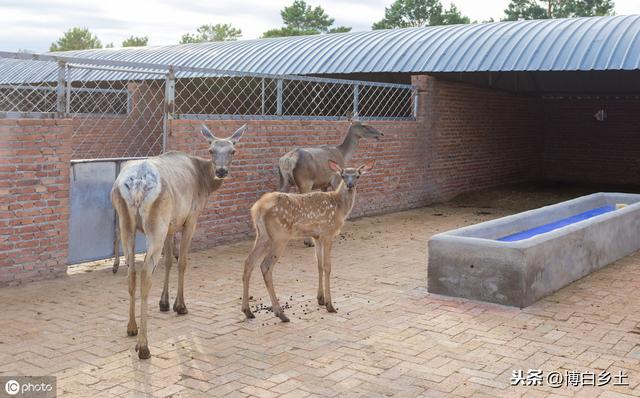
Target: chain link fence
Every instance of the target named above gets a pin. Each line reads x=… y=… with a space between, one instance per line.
x=122 y=109
x=114 y=113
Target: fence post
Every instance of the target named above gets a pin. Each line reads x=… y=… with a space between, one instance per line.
x=169 y=105
x=262 y=99
x=279 y=97
x=68 y=90
x=356 y=99
x=60 y=91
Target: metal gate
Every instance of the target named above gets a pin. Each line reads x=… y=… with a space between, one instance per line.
x=116 y=117
x=92 y=219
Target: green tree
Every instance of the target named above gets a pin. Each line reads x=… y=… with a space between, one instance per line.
x=339 y=29
x=453 y=16
x=217 y=32
x=583 y=8
x=76 y=39
x=135 y=41
x=284 y=32
x=524 y=9
x=542 y=9
x=301 y=19
x=415 y=13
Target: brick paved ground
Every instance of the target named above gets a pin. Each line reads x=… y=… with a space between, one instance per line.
x=388 y=338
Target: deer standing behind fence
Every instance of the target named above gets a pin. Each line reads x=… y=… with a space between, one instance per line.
x=279 y=217
x=159 y=196
x=307 y=168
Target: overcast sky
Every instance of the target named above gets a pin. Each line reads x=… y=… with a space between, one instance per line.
x=34 y=24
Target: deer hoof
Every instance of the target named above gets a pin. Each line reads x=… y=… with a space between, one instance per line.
x=164 y=306
x=181 y=309
x=248 y=314
x=330 y=308
x=132 y=330
x=320 y=300
x=143 y=352
x=115 y=268
x=283 y=317
x=308 y=243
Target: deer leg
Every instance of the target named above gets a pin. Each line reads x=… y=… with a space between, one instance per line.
x=132 y=327
x=145 y=285
x=187 y=234
x=304 y=187
x=320 y=259
x=175 y=247
x=116 y=247
x=326 y=246
x=257 y=254
x=267 y=272
x=283 y=185
x=127 y=230
x=168 y=258
x=156 y=236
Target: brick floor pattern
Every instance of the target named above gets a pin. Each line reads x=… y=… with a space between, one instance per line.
x=389 y=337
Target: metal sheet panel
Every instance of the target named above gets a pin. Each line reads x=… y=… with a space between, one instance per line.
x=593 y=43
x=575 y=44
x=92 y=217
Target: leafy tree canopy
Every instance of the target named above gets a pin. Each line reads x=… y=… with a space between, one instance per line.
x=76 y=39
x=217 y=32
x=301 y=19
x=542 y=9
x=135 y=41
x=415 y=13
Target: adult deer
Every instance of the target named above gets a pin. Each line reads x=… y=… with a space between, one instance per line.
x=307 y=168
x=279 y=217
x=159 y=196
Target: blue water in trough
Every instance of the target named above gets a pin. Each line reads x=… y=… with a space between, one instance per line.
x=557 y=224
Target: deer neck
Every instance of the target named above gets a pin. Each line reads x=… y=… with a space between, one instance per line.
x=349 y=145
x=208 y=181
x=345 y=198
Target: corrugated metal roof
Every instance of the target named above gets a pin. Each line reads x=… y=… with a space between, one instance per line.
x=594 y=43
x=578 y=44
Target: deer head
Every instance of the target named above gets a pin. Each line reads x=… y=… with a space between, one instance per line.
x=222 y=150
x=350 y=175
x=362 y=130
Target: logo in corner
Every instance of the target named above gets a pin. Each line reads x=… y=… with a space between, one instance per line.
x=12 y=387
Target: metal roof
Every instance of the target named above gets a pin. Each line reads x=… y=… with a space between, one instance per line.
x=592 y=43
x=577 y=44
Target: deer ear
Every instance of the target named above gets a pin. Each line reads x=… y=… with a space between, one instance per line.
x=365 y=168
x=236 y=136
x=335 y=166
x=207 y=134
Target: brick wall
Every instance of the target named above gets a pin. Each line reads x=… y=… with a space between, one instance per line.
x=466 y=138
x=479 y=137
x=398 y=181
x=34 y=191
x=471 y=138
x=579 y=148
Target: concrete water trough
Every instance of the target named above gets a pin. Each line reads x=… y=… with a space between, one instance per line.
x=519 y=259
